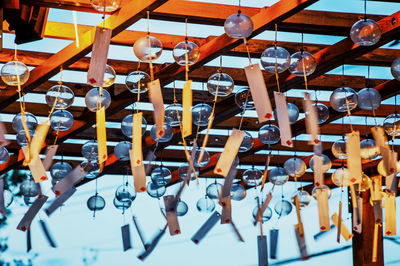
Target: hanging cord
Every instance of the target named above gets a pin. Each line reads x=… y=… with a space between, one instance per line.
x=276 y=57
x=186 y=51
x=139 y=88
x=347 y=103
x=149 y=43
x=244 y=110
x=302 y=61
x=365 y=9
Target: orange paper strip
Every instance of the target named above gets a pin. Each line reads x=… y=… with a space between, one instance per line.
x=137 y=154
x=39 y=138
x=101 y=135
x=187 y=109
x=158 y=104
x=36 y=166
x=318 y=173
x=343 y=229
x=231 y=149
x=139 y=175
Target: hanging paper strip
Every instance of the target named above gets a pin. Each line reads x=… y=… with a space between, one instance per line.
x=265 y=174
x=353 y=195
x=137 y=154
x=301 y=242
x=158 y=104
x=339 y=227
x=283 y=119
x=98 y=60
x=150 y=156
x=31 y=213
x=152 y=245
x=35 y=165
x=172 y=217
x=318 y=173
x=190 y=158
x=3 y=132
x=376 y=188
x=39 y=138
x=205 y=140
x=226 y=214
x=126 y=237
x=48 y=159
x=353 y=156
x=26 y=129
x=227 y=187
x=101 y=135
x=379 y=136
x=237 y=233
x=300 y=224
x=28 y=240
x=231 y=149
x=65 y=184
x=139 y=175
x=343 y=229
x=187 y=100
x=311 y=120
x=47 y=234
x=273 y=243
x=59 y=201
x=389 y=158
x=323 y=209
x=263 y=208
x=206 y=227
x=390 y=214
x=357 y=216
x=262 y=250
x=377 y=206
x=140 y=233
x=375 y=243
x=2 y=206
x=259 y=92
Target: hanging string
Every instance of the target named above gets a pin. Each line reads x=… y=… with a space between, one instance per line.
x=186 y=51
x=244 y=110
x=139 y=87
x=365 y=9
x=276 y=57
x=302 y=61
x=58 y=94
x=149 y=43
x=239 y=11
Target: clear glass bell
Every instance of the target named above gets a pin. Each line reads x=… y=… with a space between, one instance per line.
x=221 y=84
x=321 y=188
x=121 y=150
x=181 y=208
x=238 y=192
x=244 y=100
x=341 y=177
x=322 y=112
x=238 y=26
x=366 y=183
x=213 y=190
x=31 y=122
x=293 y=113
x=326 y=163
x=4 y=155
x=109 y=76
x=96 y=203
x=127 y=125
x=369 y=99
x=59 y=170
x=29 y=188
x=275 y=56
x=61 y=120
x=365 y=32
x=303 y=197
x=174 y=114
x=122 y=205
x=391 y=124
x=183 y=171
x=167 y=130
x=136 y=81
x=278 y=176
x=369 y=149
x=60 y=96
x=247 y=142
x=94 y=101
x=338 y=99
x=22 y=139
x=186 y=50
x=339 y=149
x=204 y=160
x=147 y=48
x=105 y=5
x=125 y=193
x=283 y=207
x=252 y=176
x=395 y=68
x=155 y=191
x=302 y=62
x=161 y=176
x=205 y=205
x=91 y=168
x=89 y=150
x=201 y=114
x=269 y=134
x=266 y=216
x=295 y=167
x=14 y=72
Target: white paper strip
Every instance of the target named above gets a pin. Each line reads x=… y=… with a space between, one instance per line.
x=323 y=209
x=259 y=92
x=273 y=243
x=231 y=149
x=158 y=104
x=353 y=151
x=57 y=202
x=172 y=217
x=311 y=120
x=26 y=221
x=357 y=216
x=74 y=177
x=377 y=205
x=379 y=136
x=3 y=132
x=48 y=159
x=206 y=227
x=283 y=119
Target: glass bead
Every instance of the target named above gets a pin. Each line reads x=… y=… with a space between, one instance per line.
x=365 y=32
x=244 y=100
x=395 y=68
x=161 y=176
x=341 y=177
x=252 y=176
x=369 y=99
x=201 y=114
x=183 y=170
x=221 y=84
x=21 y=137
x=167 y=130
x=121 y=150
x=181 y=208
x=339 y=149
x=89 y=150
x=59 y=96
x=127 y=126
x=30 y=119
x=266 y=216
x=8 y=197
x=14 y=72
x=238 y=192
x=322 y=112
x=4 y=155
x=155 y=191
x=275 y=56
x=204 y=160
x=247 y=142
x=338 y=99
x=283 y=207
x=93 y=97
x=238 y=26
x=29 y=188
x=59 y=170
x=186 y=50
x=105 y=5
x=303 y=197
x=91 y=168
x=278 y=176
x=301 y=62
x=269 y=134
x=96 y=203
x=391 y=124
x=125 y=193
x=295 y=167
x=136 y=81
x=147 y=48
x=205 y=205
x=369 y=149
x=122 y=205
x=61 y=120
x=326 y=163
x=174 y=114
x=321 y=188
x=213 y=190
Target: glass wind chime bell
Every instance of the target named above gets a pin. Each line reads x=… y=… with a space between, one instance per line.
x=104 y=6
x=275 y=56
x=97 y=98
x=148 y=48
x=14 y=72
x=186 y=51
x=343 y=98
x=221 y=84
x=302 y=63
x=244 y=100
x=238 y=26
x=136 y=81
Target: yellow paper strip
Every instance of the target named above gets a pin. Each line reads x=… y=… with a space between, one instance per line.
x=353 y=156
x=158 y=104
x=375 y=243
x=187 y=100
x=283 y=119
x=343 y=229
x=390 y=214
x=137 y=153
x=323 y=210
x=205 y=140
x=36 y=166
x=231 y=149
x=101 y=135
x=379 y=136
x=39 y=138
x=311 y=120
x=139 y=175
x=265 y=174
x=318 y=173
x=259 y=92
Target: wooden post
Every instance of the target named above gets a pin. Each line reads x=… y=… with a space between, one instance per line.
x=363 y=243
